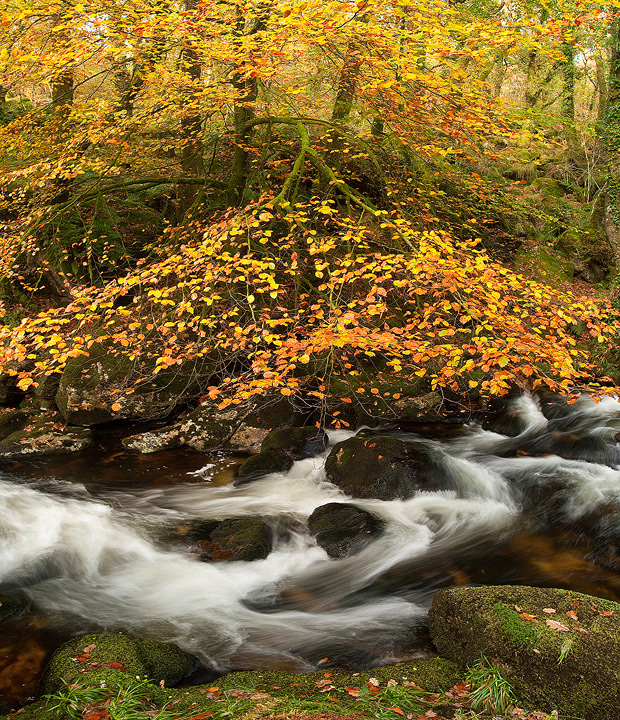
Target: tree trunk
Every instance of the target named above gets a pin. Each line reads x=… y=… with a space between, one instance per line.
x=191 y=126
x=611 y=140
x=568 y=93
x=243 y=112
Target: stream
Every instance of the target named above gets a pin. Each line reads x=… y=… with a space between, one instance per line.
x=93 y=543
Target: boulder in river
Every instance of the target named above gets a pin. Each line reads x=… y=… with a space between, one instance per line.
x=381 y=467
x=559 y=649
x=280 y=449
x=342 y=529
x=272 y=412
x=298 y=442
x=265 y=463
x=238 y=539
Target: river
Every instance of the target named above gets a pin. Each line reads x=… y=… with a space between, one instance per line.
x=95 y=544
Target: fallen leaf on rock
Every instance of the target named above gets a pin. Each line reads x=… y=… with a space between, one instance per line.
x=607 y=613
x=527 y=616
x=324 y=685
x=353 y=691
x=555 y=625
x=572 y=614
x=549 y=610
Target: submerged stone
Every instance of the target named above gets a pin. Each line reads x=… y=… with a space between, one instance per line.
x=342 y=529
x=241 y=539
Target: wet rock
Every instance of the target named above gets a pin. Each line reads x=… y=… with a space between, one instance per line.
x=46 y=435
x=381 y=467
x=299 y=443
x=559 y=649
x=425 y=408
x=270 y=461
x=90 y=386
x=9 y=606
x=109 y=660
x=272 y=412
x=342 y=529
x=243 y=539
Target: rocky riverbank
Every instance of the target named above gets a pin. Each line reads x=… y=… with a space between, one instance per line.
x=557 y=650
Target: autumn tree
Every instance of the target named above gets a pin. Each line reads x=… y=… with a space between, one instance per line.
x=309 y=167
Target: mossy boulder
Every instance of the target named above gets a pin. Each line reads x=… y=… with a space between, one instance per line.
x=272 y=412
x=45 y=435
x=12 y=421
x=90 y=386
x=265 y=463
x=559 y=649
x=299 y=443
x=208 y=428
x=381 y=467
x=342 y=529
x=398 y=396
x=116 y=660
x=239 y=539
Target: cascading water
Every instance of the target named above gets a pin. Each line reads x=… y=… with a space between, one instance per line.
x=106 y=561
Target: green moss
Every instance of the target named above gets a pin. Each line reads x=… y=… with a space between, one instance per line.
x=137 y=657
x=514 y=627
x=524 y=630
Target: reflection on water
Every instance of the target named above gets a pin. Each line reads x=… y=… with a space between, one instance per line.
x=105 y=542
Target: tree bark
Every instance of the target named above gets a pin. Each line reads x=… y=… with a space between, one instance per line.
x=191 y=125
x=611 y=141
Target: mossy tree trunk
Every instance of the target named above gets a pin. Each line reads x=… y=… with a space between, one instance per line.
x=191 y=124
x=568 y=93
x=611 y=140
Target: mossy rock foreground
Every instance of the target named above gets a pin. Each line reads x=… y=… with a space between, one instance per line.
x=560 y=650
x=116 y=659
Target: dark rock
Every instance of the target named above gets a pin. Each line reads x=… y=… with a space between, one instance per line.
x=381 y=467
x=90 y=386
x=342 y=529
x=299 y=443
x=559 y=649
x=116 y=660
x=12 y=421
x=9 y=606
x=272 y=412
x=270 y=461
x=46 y=435
x=243 y=539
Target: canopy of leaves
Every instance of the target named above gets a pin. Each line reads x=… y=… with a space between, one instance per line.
x=288 y=185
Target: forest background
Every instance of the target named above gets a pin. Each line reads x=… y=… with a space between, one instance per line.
x=332 y=200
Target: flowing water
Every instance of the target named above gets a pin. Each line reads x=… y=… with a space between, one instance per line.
x=94 y=545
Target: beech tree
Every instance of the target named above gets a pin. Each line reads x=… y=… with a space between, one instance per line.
x=319 y=159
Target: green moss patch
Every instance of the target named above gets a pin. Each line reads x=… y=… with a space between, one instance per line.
x=559 y=649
